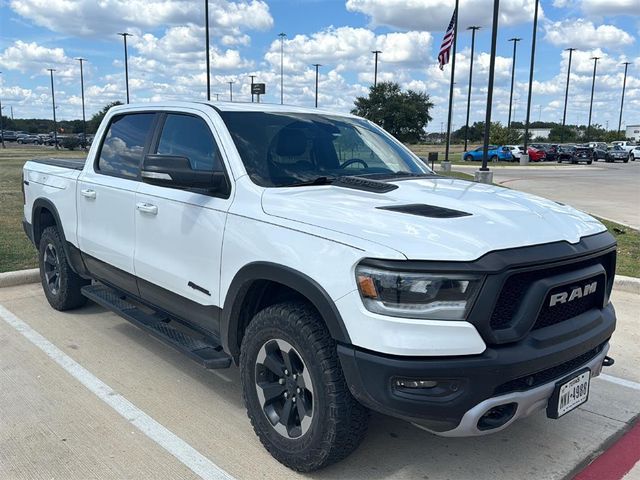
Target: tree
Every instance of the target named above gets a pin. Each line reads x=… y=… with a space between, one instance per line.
x=500 y=135
x=567 y=134
x=94 y=123
x=403 y=114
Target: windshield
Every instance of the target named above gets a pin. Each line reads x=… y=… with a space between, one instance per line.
x=286 y=149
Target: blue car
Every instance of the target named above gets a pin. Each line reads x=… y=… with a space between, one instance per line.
x=495 y=154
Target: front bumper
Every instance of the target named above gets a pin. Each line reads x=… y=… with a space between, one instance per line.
x=523 y=372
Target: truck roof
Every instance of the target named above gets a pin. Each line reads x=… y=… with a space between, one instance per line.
x=226 y=106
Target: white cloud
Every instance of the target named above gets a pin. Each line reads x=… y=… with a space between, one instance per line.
x=434 y=15
x=580 y=33
x=90 y=17
x=610 y=8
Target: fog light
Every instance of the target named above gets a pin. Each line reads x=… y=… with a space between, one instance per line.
x=407 y=383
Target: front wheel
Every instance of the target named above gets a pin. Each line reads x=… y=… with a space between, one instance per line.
x=294 y=390
x=468 y=158
x=60 y=283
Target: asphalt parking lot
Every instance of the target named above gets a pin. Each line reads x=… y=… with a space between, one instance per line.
x=62 y=394
x=609 y=190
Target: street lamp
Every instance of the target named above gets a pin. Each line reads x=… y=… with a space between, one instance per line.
x=317 y=65
x=252 y=77
x=1 y=123
x=124 y=35
x=624 y=85
x=53 y=102
x=566 y=95
x=282 y=36
x=84 y=120
x=206 y=28
x=375 y=68
x=533 y=58
x=231 y=82
x=593 y=87
x=473 y=41
x=515 y=41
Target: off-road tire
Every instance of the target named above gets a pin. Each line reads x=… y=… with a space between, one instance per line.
x=67 y=296
x=338 y=423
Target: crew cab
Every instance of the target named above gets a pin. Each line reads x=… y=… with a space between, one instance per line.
x=340 y=273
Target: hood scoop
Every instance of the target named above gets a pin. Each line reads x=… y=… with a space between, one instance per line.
x=358 y=183
x=423 y=210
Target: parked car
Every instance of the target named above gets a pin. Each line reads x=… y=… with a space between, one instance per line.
x=598 y=150
x=550 y=152
x=494 y=154
x=575 y=154
x=9 y=136
x=635 y=153
x=626 y=144
x=616 y=153
x=240 y=233
x=536 y=155
x=29 y=139
x=516 y=152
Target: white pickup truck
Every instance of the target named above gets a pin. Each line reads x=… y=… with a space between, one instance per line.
x=326 y=260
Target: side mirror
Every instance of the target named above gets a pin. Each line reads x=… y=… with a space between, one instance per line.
x=175 y=171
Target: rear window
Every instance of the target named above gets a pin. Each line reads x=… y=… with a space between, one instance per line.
x=123 y=147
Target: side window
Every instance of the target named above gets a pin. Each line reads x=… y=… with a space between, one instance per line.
x=188 y=136
x=123 y=147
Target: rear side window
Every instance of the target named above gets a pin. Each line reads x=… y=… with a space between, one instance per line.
x=189 y=136
x=123 y=147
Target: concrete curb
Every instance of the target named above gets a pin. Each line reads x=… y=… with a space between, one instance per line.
x=23 y=277
x=20 y=277
x=627 y=284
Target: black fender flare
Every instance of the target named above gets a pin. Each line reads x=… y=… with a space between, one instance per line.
x=71 y=251
x=289 y=277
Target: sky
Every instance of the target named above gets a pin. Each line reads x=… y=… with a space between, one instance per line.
x=167 y=59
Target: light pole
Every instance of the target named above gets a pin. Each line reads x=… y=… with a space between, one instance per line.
x=624 y=85
x=492 y=69
x=282 y=36
x=566 y=95
x=124 y=35
x=1 y=122
x=515 y=41
x=375 y=68
x=317 y=65
x=252 y=77
x=231 y=82
x=84 y=120
x=466 y=127
x=53 y=102
x=206 y=34
x=593 y=87
x=533 y=58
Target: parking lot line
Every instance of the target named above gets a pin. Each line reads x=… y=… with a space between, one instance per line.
x=181 y=450
x=620 y=381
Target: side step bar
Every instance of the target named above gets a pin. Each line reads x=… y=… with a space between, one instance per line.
x=203 y=350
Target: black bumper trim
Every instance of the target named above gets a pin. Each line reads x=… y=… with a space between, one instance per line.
x=476 y=377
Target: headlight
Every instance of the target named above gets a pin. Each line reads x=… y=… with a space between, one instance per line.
x=417 y=295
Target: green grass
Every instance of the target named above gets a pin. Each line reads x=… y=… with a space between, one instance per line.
x=17 y=253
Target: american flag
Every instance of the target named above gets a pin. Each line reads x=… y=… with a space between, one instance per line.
x=447 y=41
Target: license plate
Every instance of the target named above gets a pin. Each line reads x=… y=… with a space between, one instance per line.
x=569 y=393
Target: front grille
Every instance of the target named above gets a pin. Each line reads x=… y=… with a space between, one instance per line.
x=517 y=285
x=545 y=376
x=563 y=311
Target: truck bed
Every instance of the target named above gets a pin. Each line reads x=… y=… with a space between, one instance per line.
x=72 y=163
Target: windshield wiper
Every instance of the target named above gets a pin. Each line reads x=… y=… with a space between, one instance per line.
x=324 y=180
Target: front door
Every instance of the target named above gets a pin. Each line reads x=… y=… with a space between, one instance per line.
x=106 y=200
x=179 y=231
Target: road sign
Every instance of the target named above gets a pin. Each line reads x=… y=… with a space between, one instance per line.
x=257 y=89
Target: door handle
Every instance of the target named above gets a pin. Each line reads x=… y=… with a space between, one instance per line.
x=87 y=192
x=147 y=208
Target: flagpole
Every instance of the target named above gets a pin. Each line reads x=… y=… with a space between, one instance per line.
x=453 y=69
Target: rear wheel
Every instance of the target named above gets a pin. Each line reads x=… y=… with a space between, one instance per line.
x=494 y=158
x=294 y=390
x=60 y=283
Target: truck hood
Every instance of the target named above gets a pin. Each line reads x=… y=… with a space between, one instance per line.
x=497 y=218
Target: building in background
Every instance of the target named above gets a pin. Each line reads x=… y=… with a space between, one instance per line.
x=633 y=132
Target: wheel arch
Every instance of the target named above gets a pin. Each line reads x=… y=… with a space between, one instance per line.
x=232 y=324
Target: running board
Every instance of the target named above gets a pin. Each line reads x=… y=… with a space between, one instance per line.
x=203 y=350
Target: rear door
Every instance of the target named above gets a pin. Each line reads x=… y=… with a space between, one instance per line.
x=106 y=200
x=179 y=231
